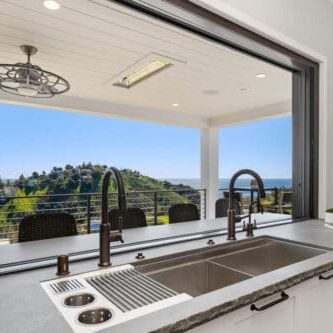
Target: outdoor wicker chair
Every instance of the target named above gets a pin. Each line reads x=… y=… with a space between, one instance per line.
x=183 y=213
x=237 y=196
x=285 y=201
x=45 y=226
x=131 y=218
x=222 y=206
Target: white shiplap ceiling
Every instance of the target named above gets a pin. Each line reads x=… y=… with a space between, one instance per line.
x=89 y=42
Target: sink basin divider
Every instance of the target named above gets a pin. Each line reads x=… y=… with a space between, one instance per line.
x=230 y=268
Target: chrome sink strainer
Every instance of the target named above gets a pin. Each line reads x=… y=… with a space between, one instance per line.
x=79 y=299
x=95 y=316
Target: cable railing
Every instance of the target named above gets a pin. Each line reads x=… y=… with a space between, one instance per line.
x=272 y=203
x=85 y=207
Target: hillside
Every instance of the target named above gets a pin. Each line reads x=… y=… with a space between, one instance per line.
x=87 y=178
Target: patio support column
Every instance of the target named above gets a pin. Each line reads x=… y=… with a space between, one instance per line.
x=210 y=167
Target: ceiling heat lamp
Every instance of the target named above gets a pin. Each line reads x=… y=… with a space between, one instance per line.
x=142 y=72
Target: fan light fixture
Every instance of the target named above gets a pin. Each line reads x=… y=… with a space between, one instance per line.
x=25 y=79
x=143 y=72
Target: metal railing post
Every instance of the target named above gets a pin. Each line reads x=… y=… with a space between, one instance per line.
x=276 y=196
x=88 y=214
x=205 y=204
x=252 y=194
x=155 y=207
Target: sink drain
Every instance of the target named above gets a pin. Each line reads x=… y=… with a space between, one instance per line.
x=79 y=299
x=95 y=316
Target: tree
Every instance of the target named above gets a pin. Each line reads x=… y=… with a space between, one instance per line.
x=35 y=174
x=21 y=182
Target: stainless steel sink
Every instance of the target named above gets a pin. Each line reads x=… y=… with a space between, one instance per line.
x=201 y=271
x=197 y=278
x=267 y=257
x=111 y=296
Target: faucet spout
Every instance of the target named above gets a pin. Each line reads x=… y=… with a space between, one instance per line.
x=106 y=235
x=232 y=218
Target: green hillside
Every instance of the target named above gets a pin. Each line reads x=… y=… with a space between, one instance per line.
x=87 y=178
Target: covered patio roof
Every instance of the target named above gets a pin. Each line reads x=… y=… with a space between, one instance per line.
x=91 y=42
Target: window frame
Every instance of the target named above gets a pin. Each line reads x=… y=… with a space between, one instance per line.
x=305 y=105
x=305 y=86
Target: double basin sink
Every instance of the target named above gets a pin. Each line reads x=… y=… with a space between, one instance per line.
x=196 y=273
x=111 y=296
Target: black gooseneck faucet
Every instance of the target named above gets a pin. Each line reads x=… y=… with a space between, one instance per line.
x=232 y=218
x=106 y=235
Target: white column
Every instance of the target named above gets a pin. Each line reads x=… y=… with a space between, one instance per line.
x=210 y=167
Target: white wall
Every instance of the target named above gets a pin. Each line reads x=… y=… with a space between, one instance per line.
x=310 y=24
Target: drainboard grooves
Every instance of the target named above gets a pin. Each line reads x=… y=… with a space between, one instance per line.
x=129 y=289
x=64 y=286
x=152 y=285
x=154 y=292
x=142 y=300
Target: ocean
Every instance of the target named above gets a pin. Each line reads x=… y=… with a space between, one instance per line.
x=242 y=182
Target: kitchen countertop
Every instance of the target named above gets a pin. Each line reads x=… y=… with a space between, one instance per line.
x=26 y=308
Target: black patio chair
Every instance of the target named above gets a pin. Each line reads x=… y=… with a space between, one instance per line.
x=237 y=196
x=284 y=203
x=45 y=226
x=222 y=206
x=183 y=213
x=131 y=218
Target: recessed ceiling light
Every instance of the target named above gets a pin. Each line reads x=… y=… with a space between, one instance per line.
x=175 y=104
x=51 y=4
x=260 y=75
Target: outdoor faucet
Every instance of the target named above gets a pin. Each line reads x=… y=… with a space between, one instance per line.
x=106 y=235
x=232 y=218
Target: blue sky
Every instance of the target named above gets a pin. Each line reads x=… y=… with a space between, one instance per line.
x=264 y=146
x=35 y=140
